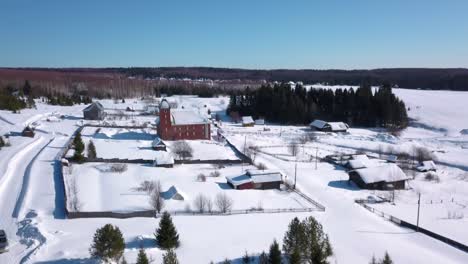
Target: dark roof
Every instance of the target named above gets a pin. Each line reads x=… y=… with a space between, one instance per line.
x=93 y=105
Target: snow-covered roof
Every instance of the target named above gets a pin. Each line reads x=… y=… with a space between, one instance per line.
x=97 y=105
x=247 y=120
x=356 y=164
x=164 y=104
x=464 y=131
x=318 y=123
x=156 y=142
x=335 y=126
x=260 y=121
x=238 y=180
x=163 y=158
x=386 y=173
x=187 y=117
x=260 y=176
x=427 y=165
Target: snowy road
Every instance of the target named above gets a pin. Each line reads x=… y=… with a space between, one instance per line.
x=10 y=193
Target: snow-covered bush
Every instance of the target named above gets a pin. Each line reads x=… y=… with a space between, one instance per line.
x=215 y=174
x=261 y=166
x=201 y=177
x=431 y=176
x=119 y=168
x=455 y=215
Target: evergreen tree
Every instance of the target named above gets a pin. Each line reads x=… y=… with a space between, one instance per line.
x=373 y=260
x=166 y=235
x=386 y=259
x=263 y=258
x=108 y=243
x=226 y=261
x=246 y=258
x=295 y=257
x=142 y=257
x=274 y=256
x=294 y=237
x=91 y=150
x=27 y=88
x=318 y=247
x=79 y=147
x=170 y=257
x=2 y=142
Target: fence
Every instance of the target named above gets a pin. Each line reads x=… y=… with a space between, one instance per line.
x=427 y=232
x=120 y=215
x=246 y=211
x=310 y=200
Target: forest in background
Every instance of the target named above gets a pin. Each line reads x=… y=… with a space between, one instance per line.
x=284 y=104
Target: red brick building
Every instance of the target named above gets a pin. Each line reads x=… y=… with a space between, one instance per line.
x=181 y=124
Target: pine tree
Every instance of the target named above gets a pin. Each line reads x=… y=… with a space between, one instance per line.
x=373 y=260
x=142 y=257
x=294 y=237
x=295 y=257
x=263 y=258
x=91 y=150
x=79 y=147
x=108 y=243
x=318 y=248
x=274 y=256
x=246 y=258
x=226 y=261
x=166 y=235
x=170 y=257
x=386 y=259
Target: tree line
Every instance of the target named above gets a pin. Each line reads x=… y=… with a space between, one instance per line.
x=284 y=104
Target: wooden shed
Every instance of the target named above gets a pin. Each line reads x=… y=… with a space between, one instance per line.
x=385 y=177
x=28 y=132
x=94 y=111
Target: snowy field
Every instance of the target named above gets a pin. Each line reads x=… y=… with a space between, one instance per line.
x=123 y=143
x=32 y=212
x=102 y=190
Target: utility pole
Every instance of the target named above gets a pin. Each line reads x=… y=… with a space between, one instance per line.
x=419 y=205
x=316 y=157
x=245 y=142
x=295 y=174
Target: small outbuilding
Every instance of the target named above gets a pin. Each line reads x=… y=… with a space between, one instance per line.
x=158 y=145
x=427 y=165
x=163 y=159
x=260 y=122
x=324 y=126
x=94 y=111
x=265 y=179
x=385 y=177
x=28 y=132
x=241 y=182
x=256 y=179
x=247 y=121
x=464 y=131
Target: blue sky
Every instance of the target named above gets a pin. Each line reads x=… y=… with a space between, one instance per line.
x=308 y=34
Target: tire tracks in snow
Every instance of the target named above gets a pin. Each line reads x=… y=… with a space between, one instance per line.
x=10 y=186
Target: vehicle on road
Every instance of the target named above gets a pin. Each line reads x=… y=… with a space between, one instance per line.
x=3 y=241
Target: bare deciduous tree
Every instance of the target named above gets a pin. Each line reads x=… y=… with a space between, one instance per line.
x=156 y=199
x=223 y=202
x=182 y=149
x=293 y=148
x=200 y=203
x=209 y=205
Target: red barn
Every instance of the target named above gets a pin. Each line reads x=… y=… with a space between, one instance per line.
x=181 y=124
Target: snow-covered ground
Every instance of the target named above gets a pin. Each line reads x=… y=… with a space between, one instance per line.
x=31 y=207
x=123 y=143
x=102 y=190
